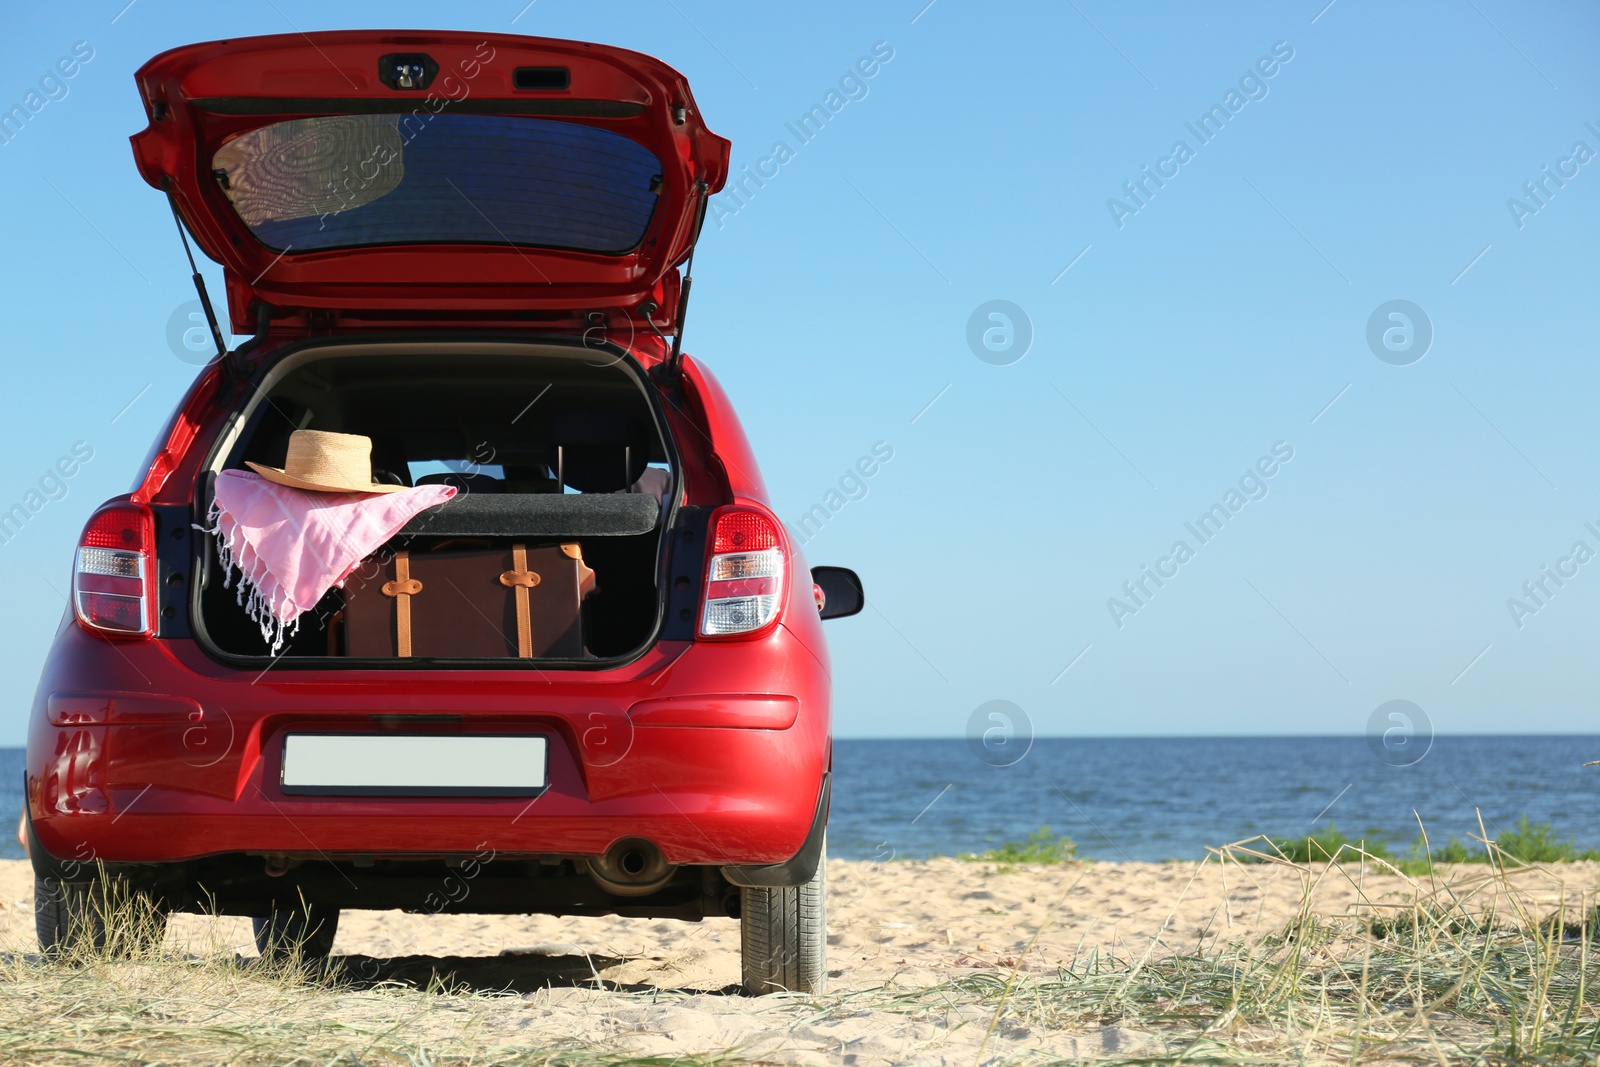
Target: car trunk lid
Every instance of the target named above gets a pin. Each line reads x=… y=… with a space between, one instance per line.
x=370 y=179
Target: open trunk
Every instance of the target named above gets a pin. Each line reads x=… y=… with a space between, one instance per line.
x=547 y=444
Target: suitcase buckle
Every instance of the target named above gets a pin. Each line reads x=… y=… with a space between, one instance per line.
x=525 y=579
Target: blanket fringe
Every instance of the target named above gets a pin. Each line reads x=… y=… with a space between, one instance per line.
x=248 y=595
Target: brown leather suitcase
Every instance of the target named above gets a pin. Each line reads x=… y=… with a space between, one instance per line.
x=482 y=603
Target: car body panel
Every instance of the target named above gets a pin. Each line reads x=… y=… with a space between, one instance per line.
x=202 y=780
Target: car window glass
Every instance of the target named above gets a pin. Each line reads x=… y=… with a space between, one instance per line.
x=342 y=181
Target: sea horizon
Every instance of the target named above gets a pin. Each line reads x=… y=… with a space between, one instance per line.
x=1173 y=797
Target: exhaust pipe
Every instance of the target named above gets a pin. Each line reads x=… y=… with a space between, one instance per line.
x=633 y=867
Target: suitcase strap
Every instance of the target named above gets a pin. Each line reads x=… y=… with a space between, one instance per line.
x=403 y=588
x=519 y=580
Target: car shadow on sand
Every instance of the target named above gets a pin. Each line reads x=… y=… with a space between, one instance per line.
x=508 y=972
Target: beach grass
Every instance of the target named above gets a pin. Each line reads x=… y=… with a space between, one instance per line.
x=1041 y=846
x=1322 y=846
x=1468 y=966
x=1526 y=843
x=123 y=999
x=1460 y=974
x=90 y=1008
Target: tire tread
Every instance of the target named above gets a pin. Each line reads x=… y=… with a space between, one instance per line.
x=784 y=937
x=299 y=931
x=71 y=916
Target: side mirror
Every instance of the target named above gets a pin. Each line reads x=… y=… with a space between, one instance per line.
x=838 y=592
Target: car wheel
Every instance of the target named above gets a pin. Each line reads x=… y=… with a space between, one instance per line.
x=783 y=933
x=300 y=930
x=100 y=917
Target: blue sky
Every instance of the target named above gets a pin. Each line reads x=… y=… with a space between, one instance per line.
x=1176 y=339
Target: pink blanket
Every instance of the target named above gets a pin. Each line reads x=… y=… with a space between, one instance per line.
x=291 y=546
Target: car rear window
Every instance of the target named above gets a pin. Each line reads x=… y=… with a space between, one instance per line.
x=345 y=181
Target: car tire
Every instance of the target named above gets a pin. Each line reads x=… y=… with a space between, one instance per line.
x=302 y=930
x=72 y=917
x=783 y=932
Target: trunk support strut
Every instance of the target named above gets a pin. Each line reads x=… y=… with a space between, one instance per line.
x=200 y=287
x=676 y=356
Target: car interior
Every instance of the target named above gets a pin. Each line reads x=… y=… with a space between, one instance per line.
x=542 y=447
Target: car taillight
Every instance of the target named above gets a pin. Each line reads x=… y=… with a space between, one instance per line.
x=745 y=577
x=113 y=581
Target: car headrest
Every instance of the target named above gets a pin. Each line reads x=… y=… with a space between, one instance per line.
x=601 y=452
x=602 y=468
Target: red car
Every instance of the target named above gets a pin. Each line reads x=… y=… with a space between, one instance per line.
x=471 y=249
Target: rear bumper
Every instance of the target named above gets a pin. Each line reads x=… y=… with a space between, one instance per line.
x=714 y=752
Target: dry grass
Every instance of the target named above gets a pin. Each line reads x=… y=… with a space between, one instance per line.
x=1470 y=971
x=212 y=1011
x=1477 y=977
x=126 y=1001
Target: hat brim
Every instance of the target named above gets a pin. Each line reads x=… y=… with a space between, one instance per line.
x=275 y=474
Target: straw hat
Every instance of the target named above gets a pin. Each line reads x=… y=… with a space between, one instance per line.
x=328 y=462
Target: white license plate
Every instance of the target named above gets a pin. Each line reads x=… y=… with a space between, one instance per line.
x=357 y=764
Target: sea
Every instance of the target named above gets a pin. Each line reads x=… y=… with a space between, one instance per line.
x=1161 y=798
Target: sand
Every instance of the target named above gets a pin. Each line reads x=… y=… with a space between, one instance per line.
x=894 y=927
